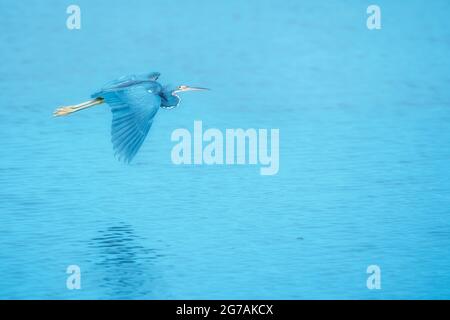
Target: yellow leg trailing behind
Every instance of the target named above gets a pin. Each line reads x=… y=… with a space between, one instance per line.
x=64 y=111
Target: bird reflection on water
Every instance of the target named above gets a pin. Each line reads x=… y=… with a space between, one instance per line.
x=125 y=266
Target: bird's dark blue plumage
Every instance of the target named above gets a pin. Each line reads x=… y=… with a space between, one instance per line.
x=134 y=101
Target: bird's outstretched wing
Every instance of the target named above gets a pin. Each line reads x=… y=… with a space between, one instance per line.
x=133 y=110
x=153 y=76
x=129 y=80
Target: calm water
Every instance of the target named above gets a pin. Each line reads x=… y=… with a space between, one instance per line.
x=364 y=151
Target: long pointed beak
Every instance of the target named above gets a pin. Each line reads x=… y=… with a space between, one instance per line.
x=194 y=89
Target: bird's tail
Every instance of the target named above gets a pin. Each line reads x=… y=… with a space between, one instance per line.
x=64 y=111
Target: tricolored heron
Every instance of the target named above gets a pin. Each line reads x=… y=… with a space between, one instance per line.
x=134 y=102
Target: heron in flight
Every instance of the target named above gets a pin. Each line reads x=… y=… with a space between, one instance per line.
x=134 y=102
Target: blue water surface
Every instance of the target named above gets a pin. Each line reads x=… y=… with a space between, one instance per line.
x=364 y=173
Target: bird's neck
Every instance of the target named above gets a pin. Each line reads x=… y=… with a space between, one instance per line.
x=169 y=100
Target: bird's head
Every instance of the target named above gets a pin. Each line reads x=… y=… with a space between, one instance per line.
x=169 y=97
x=184 y=88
